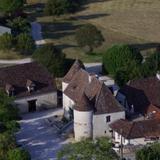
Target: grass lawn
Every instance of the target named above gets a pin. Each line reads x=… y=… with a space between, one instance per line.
x=134 y=22
x=10 y=55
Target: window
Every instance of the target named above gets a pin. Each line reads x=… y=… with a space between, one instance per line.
x=108 y=119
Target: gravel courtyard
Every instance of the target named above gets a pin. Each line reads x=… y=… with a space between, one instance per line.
x=39 y=138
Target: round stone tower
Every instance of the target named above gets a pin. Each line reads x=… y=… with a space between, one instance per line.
x=83 y=114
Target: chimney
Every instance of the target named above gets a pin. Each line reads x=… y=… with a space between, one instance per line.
x=9 y=89
x=30 y=85
x=91 y=76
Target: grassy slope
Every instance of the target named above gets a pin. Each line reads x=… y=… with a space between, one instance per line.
x=121 y=21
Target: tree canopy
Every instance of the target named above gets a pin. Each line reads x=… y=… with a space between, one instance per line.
x=18 y=154
x=10 y=6
x=52 y=58
x=120 y=57
x=151 y=152
x=8 y=117
x=100 y=149
x=59 y=7
x=89 y=36
x=19 y=25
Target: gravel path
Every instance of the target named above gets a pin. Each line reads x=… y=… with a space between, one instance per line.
x=37 y=137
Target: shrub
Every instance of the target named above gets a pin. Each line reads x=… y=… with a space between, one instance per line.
x=89 y=37
x=25 y=44
x=19 y=25
x=6 y=41
x=52 y=58
x=18 y=154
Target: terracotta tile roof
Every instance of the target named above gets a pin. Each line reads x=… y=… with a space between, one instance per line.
x=85 y=90
x=93 y=88
x=83 y=104
x=106 y=102
x=77 y=86
x=17 y=76
x=143 y=92
x=73 y=70
x=137 y=129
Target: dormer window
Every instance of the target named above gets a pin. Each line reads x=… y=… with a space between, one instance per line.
x=30 y=86
x=10 y=90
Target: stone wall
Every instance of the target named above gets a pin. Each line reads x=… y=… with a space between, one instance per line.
x=44 y=101
x=101 y=127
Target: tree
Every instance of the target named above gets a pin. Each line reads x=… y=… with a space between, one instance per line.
x=19 y=25
x=52 y=58
x=151 y=64
x=12 y=126
x=25 y=44
x=7 y=142
x=88 y=36
x=120 y=57
x=58 y=7
x=9 y=7
x=6 y=41
x=151 y=152
x=18 y=154
x=7 y=111
x=100 y=149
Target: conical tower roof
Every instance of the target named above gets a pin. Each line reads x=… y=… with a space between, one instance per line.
x=73 y=70
x=83 y=104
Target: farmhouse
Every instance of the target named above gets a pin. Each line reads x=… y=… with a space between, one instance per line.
x=31 y=85
x=90 y=102
x=136 y=132
x=141 y=97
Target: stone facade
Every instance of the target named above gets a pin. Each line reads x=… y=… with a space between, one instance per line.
x=43 y=101
x=101 y=126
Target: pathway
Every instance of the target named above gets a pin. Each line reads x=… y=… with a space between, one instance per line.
x=20 y=61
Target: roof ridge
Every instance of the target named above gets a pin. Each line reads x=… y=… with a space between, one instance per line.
x=131 y=128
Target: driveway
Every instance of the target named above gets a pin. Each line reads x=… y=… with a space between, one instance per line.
x=37 y=137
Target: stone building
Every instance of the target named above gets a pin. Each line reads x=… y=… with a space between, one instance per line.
x=90 y=102
x=31 y=85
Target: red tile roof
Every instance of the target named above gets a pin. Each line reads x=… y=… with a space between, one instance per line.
x=137 y=129
x=143 y=92
x=73 y=70
x=89 y=93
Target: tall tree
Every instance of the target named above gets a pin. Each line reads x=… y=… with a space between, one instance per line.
x=120 y=57
x=52 y=58
x=89 y=37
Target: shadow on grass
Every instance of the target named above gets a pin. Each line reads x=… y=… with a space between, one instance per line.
x=92 y=16
x=145 y=46
x=58 y=30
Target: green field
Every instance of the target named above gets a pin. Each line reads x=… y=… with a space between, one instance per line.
x=121 y=21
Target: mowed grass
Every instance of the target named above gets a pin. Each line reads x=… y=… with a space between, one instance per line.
x=10 y=55
x=121 y=21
